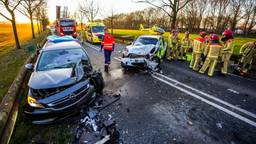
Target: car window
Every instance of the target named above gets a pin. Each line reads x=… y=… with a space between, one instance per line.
x=67 y=23
x=98 y=29
x=57 y=59
x=146 y=41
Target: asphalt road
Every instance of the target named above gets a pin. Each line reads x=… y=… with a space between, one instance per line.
x=178 y=105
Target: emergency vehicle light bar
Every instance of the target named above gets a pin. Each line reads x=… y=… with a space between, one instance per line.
x=56 y=39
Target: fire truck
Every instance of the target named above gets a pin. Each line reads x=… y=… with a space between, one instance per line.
x=66 y=27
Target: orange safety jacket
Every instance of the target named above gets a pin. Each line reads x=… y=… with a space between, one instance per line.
x=108 y=42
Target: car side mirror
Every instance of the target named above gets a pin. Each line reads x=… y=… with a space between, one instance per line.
x=29 y=67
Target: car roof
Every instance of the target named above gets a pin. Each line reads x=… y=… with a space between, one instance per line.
x=61 y=45
x=151 y=36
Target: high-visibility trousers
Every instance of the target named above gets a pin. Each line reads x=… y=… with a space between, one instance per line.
x=225 y=60
x=195 y=61
x=211 y=64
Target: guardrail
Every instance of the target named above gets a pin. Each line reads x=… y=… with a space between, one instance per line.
x=9 y=105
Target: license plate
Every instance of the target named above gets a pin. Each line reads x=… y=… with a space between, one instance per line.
x=67 y=29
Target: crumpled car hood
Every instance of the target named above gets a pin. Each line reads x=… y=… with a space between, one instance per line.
x=140 y=50
x=51 y=79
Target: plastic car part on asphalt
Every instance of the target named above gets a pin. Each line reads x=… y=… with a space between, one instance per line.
x=95 y=127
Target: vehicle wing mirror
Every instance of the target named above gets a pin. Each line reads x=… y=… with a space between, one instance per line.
x=29 y=67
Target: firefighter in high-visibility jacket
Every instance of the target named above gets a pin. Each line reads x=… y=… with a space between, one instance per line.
x=227 y=50
x=213 y=52
x=198 y=48
x=82 y=35
x=173 y=43
x=108 y=44
x=186 y=44
x=248 y=52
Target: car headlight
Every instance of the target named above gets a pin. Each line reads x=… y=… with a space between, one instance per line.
x=126 y=52
x=33 y=102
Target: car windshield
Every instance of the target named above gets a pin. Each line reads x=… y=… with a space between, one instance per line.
x=146 y=41
x=67 y=23
x=57 y=59
x=98 y=29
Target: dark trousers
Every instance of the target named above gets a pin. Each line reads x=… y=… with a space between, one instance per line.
x=107 y=55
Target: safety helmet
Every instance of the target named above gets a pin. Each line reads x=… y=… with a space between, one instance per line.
x=215 y=37
x=202 y=34
x=187 y=32
x=227 y=32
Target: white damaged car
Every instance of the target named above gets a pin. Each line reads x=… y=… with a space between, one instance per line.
x=145 y=52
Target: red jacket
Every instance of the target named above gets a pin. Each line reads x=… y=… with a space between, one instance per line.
x=108 y=42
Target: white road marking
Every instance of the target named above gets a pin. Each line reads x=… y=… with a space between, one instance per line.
x=233 y=91
x=210 y=96
x=208 y=102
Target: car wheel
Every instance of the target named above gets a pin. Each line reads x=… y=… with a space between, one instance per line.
x=98 y=81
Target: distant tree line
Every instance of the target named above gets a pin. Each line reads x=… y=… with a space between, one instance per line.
x=192 y=15
x=35 y=10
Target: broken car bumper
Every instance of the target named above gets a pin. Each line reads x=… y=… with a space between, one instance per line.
x=51 y=114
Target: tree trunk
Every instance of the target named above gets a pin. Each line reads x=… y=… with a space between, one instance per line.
x=15 y=33
x=174 y=18
x=32 y=25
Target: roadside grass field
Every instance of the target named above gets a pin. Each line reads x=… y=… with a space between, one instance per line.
x=239 y=41
x=11 y=59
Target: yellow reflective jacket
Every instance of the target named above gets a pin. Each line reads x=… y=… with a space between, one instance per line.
x=214 y=51
x=246 y=48
x=173 y=41
x=228 y=47
x=198 y=45
x=186 y=42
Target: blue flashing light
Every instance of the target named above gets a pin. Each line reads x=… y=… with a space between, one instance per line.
x=56 y=39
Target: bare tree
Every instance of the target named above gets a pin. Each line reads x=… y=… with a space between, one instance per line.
x=249 y=15
x=10 y=6
x=28 y=8
x=236 y=11
x=170 y=7
x=90 y=9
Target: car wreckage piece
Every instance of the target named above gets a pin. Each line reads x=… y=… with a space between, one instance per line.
x=95 y=128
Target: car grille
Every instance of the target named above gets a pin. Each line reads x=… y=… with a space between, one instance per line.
x=71 y=98
x=68 y=32
x=139 y=64
x=43 y=93
x=136 y=56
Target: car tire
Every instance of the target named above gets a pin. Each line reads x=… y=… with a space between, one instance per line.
x=98 y=81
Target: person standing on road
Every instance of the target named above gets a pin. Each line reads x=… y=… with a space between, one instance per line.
x=173 y=43
x=108 y=44
x=213 y=52
x=185 y=46
x=198 y=47
x=227 y=50
x=248 y=52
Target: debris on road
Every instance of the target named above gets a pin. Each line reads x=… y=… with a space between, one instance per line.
x=219 y=125
x=190 y=123
x=96 y=127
